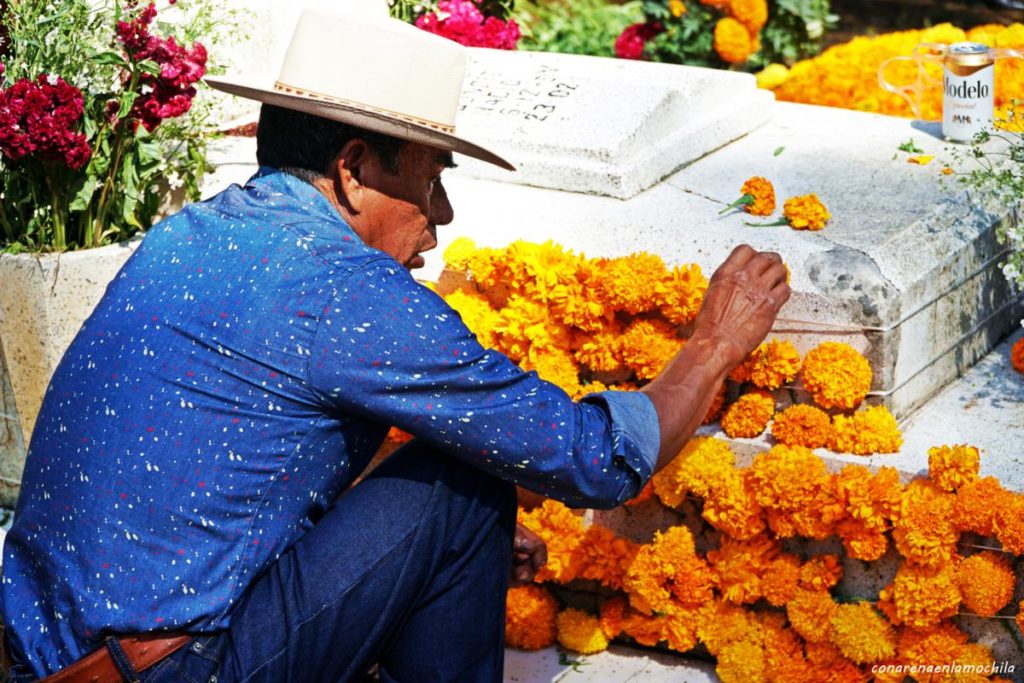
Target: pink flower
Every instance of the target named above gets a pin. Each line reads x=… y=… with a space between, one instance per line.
x=42 y=117
x=463 y=22
x=630 y=43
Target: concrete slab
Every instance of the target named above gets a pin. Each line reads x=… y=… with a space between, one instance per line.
x=618 y=664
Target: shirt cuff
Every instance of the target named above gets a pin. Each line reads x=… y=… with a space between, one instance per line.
x=636 y=432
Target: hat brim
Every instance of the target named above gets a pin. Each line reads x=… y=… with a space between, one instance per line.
x=352 y=114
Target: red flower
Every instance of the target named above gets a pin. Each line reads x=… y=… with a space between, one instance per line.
x=463 y=22
x=630 y=43
x=42 y=117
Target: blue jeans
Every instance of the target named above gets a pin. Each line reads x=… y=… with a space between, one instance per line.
x=408 y=570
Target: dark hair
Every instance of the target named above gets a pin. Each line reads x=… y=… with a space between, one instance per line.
x=305 y=145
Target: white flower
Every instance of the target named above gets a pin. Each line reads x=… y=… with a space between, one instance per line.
x=52 y=79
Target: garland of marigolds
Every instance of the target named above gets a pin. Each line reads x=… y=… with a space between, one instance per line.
x=764 y=613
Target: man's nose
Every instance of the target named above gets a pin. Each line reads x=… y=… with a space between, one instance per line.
x=441 y=211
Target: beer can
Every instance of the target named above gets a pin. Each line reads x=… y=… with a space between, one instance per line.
x=968 y=87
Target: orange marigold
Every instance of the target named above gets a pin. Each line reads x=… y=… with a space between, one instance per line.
x=950 y=467
x=751 y=13
x=810 y=613
x=872 y=430
x=923 y=597
x=562 y=531
x=830 y=665
x=605 y=557
x=788 y=481
x=733 y=42
x=645 y=629
x=645 y=494
x=806 y=212
x=648 y=345
x=702 y=462
x=631 y=283
x=730 y=506
x=1017 y=355
x=738 y=566
x=580 y=632
x=872 y=500
x=861 y=541
x=720 y=622
x=683 y=293
x=781 y=580
x=862 y=634
x=775 y=363
x=986 y=582
x=761 y=191
x=941 y=644
x=613 y=617
x=530 y=618
x=599 y=350
x=749 y=415
x=924 y=531
x=821 y=573
x=977 y=503
x=1009 y=523
x=836 y=375
x=742 y=662
x=802 y=425
x=668 y=571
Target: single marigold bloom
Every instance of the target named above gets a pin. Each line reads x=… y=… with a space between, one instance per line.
x=632 y=283
x=787 y=480
x=821 y=573
x=862 y=634
x=923 y=597
x=950 y=467
x=530 y=618
x=806 y=212
x=861 y=541
x=598 y=350
x=741 y=373
x=562 y=532
x=1017 y=355
x=810 y=613
x=749 y=415
x=829 y=664
x=986 y=582
x=605 y=557
x=648 y=345
x=668 y=571
x=836 y=375
x=928 y=646
x=733 y=42
x=772 y=76
x=730 y=506
x=677 y=8
x=648 y=630
x=751 y=13
x=580 y=632
x=802 y=425
x=781 y=580
x=682 y=294
x=869 y=431
x=476 y=312
x=760 y=189
x=924 y=532
x=1009 y=523
x=871 y=500
x=774 y=364
x=824 y=509
x=738 y=566
x=556 y=365
x=702 y=462
x=720 y=623
x=742 y=662
x=613 y=617
x=977 y=503
x=458 y=253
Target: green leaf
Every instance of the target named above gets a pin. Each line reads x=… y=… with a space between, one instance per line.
x=82 y=194
x=149 y=66
x=910 y=147
x=781 y=221
x=110 y=58
x=778 y=151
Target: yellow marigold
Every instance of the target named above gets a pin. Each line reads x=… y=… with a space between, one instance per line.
x=923 y=597
x=924 y=532
x=821 y=573
x=605 y=557
x=761 y=190
x=802 y=425
x=668 y=571
x=872 y=500
x=530 y=618
x=806 y=212
x=775 y=363
x=476 y=312
x=683 y=288
x=703 y=461
x=458 y=253
x=810 y=613
x=823 y=510
x=580 y=632
x=781 y=580
x=772 y=76
x=751 y=13
x=862 y=634
x=720 y=623
x=557 y=366
x=749 y=415
x=598 y=350
x=738 y=566
x=1009 y=523
x=1017 y=355
x=562 y=532
x=977 y=503
x=950 y=467
x=869 y=431
x=732 y=41
x=786 y=479
x=632 y=283
x=986 y=582
x=648 y=345
x=742 y=662
x=576 y=298
x=836 y=375
x=716 y=406
x=931 y=646
x=677 y=8
x=730 y=506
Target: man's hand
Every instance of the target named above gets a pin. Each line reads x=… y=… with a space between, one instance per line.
x=742 y=301
x=528 y=555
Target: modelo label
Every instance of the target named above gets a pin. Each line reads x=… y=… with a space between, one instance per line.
x=967 y=101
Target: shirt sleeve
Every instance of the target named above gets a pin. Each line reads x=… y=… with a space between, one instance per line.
x=389 y=349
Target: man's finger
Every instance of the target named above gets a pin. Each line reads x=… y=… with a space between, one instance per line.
x=737 y=259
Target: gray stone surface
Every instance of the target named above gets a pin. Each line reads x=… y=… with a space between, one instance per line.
x=618 y=664
x=11 y=444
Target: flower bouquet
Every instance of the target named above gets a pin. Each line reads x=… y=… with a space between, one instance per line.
x=97 y=118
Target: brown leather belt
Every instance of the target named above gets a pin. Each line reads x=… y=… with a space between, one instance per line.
x=142 y=651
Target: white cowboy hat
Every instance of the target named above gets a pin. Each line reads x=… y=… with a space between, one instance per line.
x=375 y=73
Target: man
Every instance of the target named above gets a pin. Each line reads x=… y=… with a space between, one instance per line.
x=184 y=513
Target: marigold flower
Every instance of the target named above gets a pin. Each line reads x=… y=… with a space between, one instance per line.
x=648 y=345
x=632 y=283
x=977 y=503
x=781 y=580
x=950 y=467
x=806 y=212
x=862 y=634
x=580 y=632
x=772 y=76
x=557 y=366
x=821 y=573
x=774 y=364
x=923 y=597
x=677 y=8
x=872 y=430
x=530 y=618
x=872 y=500
x=1009 y=523
x=986 y=582
x=924 y=532
x=476 y=313
x=703 y=461
x=613 y=617
x=738 y=566
x=604 y=556
x=458 y=253
x=753 y=14
x=682 y=293
x=749 y=415
x=598 y=350
x=836 y=375
x=802 y=425
x=1017 y=355
x=732 y=41
x=720 y=623
x=562 y=532
x=730 y=506
x=679 y=629
x=810 y=613
x=786 y=480
x=742 y=661
x=861 y=541
x=760 y=190
x=922 y=647
x=668 y=571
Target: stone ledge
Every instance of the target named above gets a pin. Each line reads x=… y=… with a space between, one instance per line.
x=617 y=664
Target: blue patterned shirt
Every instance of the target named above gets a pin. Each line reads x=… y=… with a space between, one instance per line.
x=239 y=373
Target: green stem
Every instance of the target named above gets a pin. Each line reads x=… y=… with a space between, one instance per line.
x=781 y=221
x=103 y=205
x=57 y=215
x=745 y=200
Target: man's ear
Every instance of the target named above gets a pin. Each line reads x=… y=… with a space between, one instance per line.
x=349 y=172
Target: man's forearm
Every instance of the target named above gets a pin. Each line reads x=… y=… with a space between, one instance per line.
x=682 y=394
